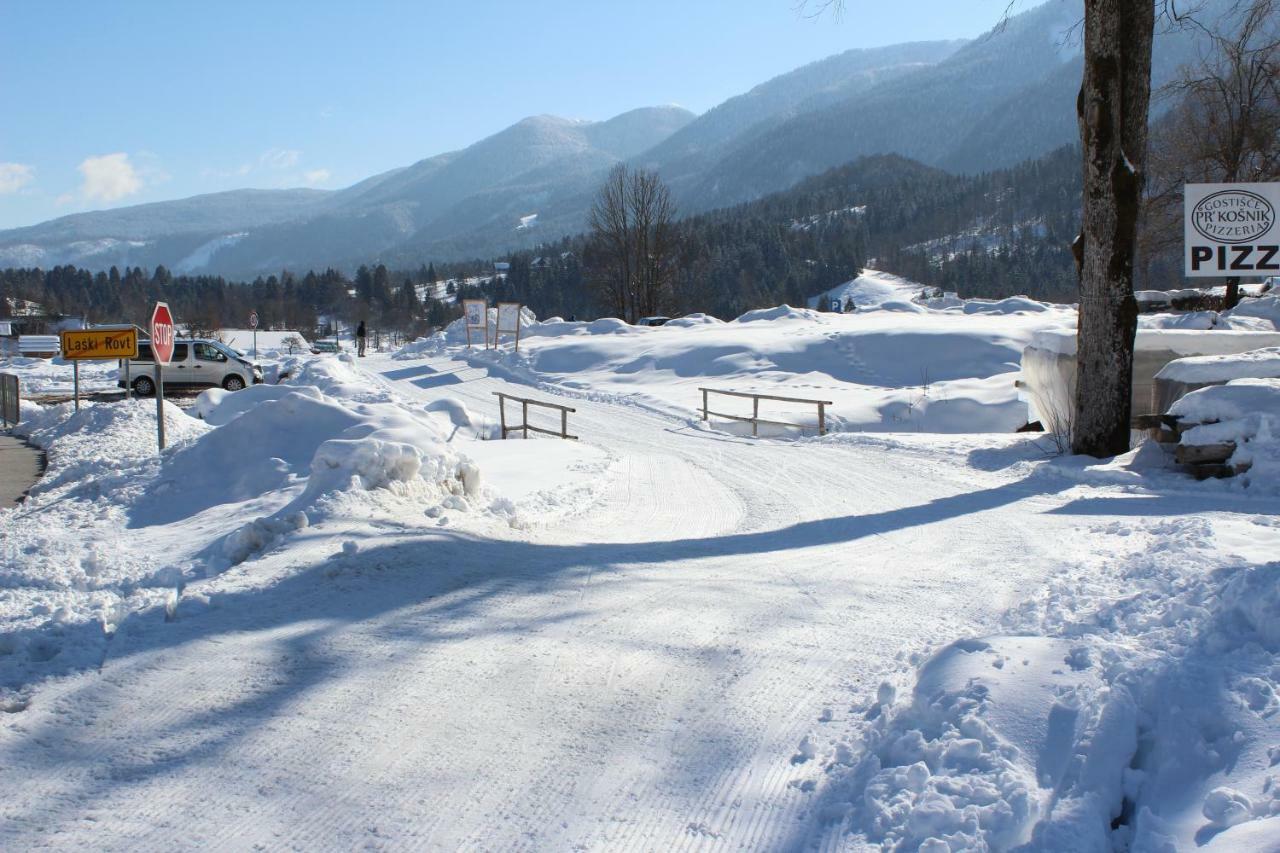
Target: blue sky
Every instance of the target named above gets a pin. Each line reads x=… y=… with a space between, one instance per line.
x=106 y=104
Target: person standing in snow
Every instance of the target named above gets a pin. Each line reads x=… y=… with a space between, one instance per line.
x=360 y=339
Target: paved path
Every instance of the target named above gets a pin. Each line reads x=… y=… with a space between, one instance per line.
x=20 y=466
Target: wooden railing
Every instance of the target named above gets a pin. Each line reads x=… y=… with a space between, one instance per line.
x=755 y=420
x=524 y=426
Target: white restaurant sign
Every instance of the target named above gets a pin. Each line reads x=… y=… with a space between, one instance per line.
x=1231 y=229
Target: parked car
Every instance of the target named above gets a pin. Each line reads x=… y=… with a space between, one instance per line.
x=196 y=363
x=653 y=321
x=320 y=347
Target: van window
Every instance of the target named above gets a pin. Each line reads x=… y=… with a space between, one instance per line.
x=208 y=352
x=144 y=352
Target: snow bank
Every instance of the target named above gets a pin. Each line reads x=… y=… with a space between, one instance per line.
x=38 y=376
x=1245 y=412
x=692 y=320
x=782 y=312
x=114 y=527
x=1185 y=342
x=1132 y=705
x=1264 y=308
x=1203 y=370
x=1011 y=305
x=1237 y=399
x=218 y=406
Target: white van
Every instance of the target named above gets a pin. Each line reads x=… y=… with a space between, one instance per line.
x=196 y=363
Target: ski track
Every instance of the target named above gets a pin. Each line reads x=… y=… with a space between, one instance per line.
x=634 y=677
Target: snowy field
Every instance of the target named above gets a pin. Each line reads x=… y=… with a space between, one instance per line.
x=337 y=614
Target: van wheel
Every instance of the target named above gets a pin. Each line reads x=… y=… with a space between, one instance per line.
x=143 y=386
x=233 y=383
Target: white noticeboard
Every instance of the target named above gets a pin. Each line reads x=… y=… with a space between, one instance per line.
x=509 y=317
x=6 y=329
x=474 y=311
x=1231 y=229
x=508 y=321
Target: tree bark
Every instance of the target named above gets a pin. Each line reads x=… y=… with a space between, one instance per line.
x=1112 y=106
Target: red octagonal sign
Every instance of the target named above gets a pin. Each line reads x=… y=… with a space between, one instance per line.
x=162 y=333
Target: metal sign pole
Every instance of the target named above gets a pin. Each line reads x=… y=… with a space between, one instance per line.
x=128 y=389
x=75 y=382
x=159 y=403
x=255 y=342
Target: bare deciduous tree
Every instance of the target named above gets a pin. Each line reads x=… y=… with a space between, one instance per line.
x=1225 y=125
x=631 y=259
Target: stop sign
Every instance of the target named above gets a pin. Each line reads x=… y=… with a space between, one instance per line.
x=162 y=333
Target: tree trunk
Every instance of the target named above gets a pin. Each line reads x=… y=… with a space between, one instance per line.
x=1112 y=107
x=1232 y=299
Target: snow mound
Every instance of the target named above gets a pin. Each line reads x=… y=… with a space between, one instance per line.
x=217 y=406
x=1011 y=305
x=692 y=320
x=901 y=306
x=781 y=312
x=1199 y=370
x=1245 y=412
x=1264 y=308
x=338 y=378
x=101 y=439
x=1237 y=399
x=457 y=413
x=609 y=326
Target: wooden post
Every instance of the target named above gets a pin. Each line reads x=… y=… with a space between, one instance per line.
x=502 y=414
x=564 y=423
x=704 y=404
x=525 y=419
x=755 y=416
x=822 y=419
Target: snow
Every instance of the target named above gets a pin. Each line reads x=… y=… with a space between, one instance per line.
x=269 y=341
x=1254 y=364
x=1245 y=412
x=337 y=605
x=869 y=289
x=1182 y=341
x=54 y=376
x=885 y=370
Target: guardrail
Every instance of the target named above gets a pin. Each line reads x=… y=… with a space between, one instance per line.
x=755 y=420
x=524 y=426
x=10 y=410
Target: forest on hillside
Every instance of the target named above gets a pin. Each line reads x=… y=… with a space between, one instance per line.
x=991 y=235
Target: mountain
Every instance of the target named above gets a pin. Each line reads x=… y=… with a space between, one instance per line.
x=1000 y=99
x=807 y=89
x=964 y=107
x=246 y=231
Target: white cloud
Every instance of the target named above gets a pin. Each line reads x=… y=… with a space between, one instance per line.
x=15 y=176
x=280 y=158
x=109 y=178
x=316 y=176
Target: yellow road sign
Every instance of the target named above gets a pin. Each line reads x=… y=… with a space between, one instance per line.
x=100 y=344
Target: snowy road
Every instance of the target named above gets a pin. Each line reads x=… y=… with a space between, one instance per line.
x=640 y=675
